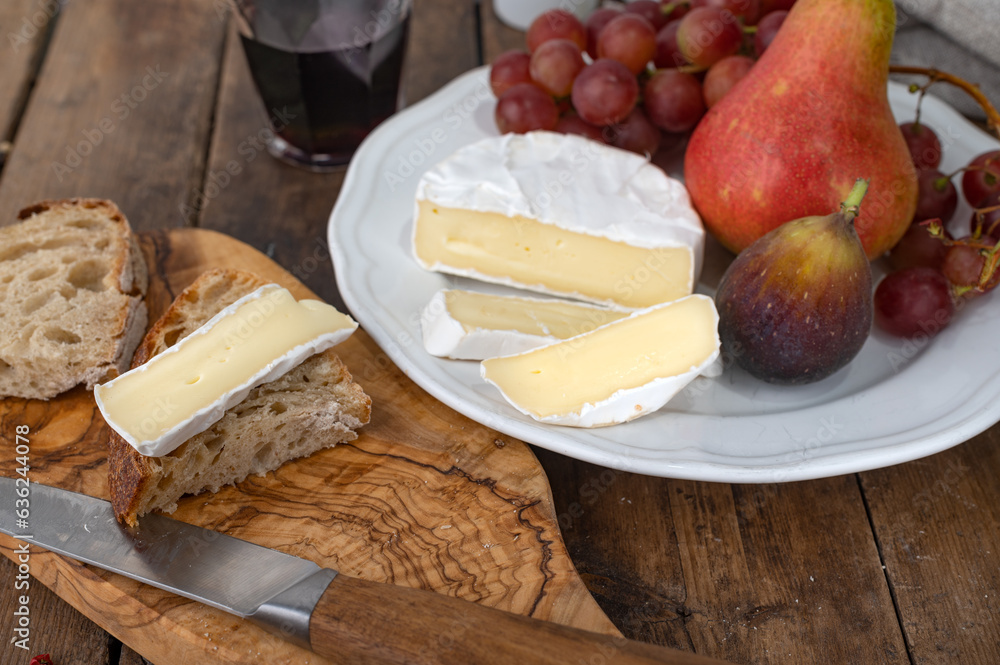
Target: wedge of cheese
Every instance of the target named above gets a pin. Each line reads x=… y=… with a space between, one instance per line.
x=616 y=373
x=468 y=325
x=186 y=389
x=559 y=214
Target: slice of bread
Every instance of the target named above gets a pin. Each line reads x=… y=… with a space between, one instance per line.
x=316 y=405
x=72 y=282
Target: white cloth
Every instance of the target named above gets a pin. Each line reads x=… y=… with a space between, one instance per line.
x=972 y=23
x=973 y=52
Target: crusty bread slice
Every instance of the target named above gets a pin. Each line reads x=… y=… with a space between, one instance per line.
x=316 y=405
x=72 y=281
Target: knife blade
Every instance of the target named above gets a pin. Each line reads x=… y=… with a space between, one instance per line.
x=344 y=618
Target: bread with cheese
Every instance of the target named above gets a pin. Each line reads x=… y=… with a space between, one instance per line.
x=314 y=406
x=72 y=283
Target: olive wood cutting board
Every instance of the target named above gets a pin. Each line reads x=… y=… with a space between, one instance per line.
x=423 y=498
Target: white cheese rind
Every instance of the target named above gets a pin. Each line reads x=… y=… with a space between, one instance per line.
x=569 y=182
x=625 y=404
x=205 y=417
x=447 y=337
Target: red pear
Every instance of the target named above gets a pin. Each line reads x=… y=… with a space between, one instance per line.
x=790 y=137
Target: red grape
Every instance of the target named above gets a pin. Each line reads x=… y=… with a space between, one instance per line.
x=525 y=108
x=673 y=100
x=605 y=92
x=918 y=247
x=595 y=24
x=913 y=301
x=509 y=69
x=629 y=39
x=767 y=29
x=554 y=66
x=937 y=197
x=990 y=222
x=636 y=133
x=649 y=10
x=963 y=264
x=982 y=180
x=571 y=123
x=748 y=10
x=723 y=75
x=556 y=24
x=668 y=54
x=708 y=34
x=925 y=148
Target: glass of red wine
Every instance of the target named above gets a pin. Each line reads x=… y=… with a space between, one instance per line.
x=327 y=71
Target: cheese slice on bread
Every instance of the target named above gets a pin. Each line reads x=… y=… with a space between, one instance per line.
x=315 y=405
x=72 y=282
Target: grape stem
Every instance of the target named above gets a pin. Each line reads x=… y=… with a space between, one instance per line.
x=990 y=253
x=935 y=75
x=981 y=217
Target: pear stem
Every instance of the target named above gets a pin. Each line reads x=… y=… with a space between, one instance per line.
x=851 y=205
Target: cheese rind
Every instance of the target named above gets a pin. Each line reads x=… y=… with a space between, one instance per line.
x=616 y=373
x=187 y=388
x=559 y=214
x=466 y=325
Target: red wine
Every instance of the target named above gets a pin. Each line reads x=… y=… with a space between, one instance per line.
x=329 y=100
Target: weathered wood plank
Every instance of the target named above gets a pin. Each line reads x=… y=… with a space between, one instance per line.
x=747 y=573
x=130 y=657
x=24 y=26
x=122 y=109
x=938 y=526
x=496 y=36
x=53 y=626
x=442 y=45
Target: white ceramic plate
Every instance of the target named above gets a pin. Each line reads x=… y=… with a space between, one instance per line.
x=895 y=402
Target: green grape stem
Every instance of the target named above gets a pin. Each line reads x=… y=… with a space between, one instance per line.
x=935 y=75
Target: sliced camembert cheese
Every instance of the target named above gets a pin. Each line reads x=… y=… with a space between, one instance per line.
x=184 y=390
x=616 y=373
x=559 y=214
x=468 y=325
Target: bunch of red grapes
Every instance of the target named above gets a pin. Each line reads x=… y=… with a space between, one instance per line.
x=935 y=273
x=651 y=68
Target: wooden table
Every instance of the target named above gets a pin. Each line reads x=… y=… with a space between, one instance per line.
x=146 y=103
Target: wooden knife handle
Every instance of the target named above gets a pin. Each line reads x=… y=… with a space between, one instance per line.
x=365 y=622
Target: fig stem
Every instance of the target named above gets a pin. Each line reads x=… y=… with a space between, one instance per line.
x=851 y=205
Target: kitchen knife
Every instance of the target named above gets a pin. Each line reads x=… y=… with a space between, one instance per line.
x=344 y=618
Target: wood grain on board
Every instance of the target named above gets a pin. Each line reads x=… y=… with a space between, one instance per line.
x=424 y=498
